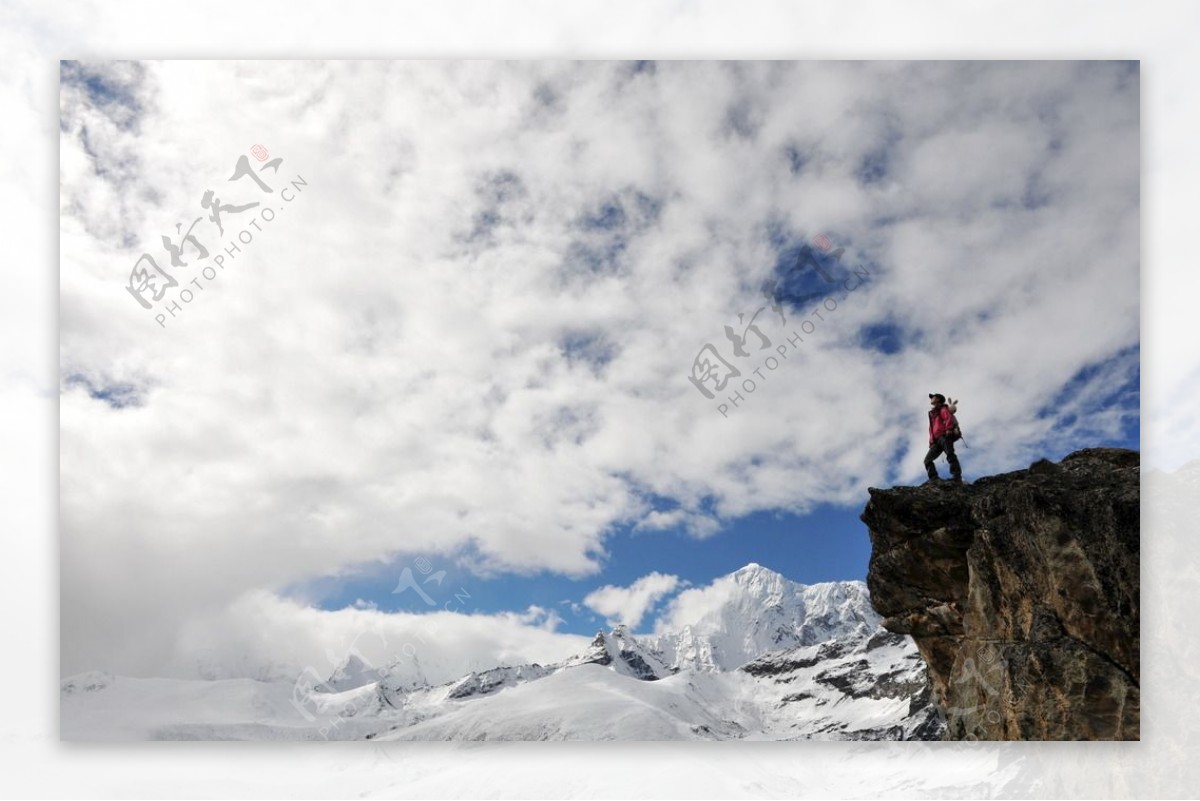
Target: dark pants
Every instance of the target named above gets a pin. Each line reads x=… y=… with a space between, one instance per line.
x=942 y=444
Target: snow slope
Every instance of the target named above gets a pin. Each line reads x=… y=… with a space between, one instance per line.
x=98 y=706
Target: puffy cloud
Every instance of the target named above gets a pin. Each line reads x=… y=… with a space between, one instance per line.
x=630 y=604
x=695 y=604
x=538 y=616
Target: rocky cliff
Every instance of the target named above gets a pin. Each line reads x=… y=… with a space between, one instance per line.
x=1021 y=591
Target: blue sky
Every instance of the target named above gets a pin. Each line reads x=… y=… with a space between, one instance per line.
x=502 y=326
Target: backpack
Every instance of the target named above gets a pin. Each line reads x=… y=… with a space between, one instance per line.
x=955 y=433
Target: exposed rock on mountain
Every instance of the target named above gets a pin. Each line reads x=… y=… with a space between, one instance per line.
x=625 y=654
x=816 y=685
x=1022 y=594
x=490 y=681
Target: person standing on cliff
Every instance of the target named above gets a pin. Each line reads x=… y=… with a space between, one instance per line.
x=942 y=430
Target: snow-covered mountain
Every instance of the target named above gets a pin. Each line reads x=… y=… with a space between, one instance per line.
x=353 y=672
x=625 y=654
x=754 y=656
x=755 y=611
x=861 y=688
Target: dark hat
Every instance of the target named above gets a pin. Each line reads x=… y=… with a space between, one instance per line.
x=941 y=398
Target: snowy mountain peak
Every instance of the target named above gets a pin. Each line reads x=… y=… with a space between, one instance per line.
x=754 y=571
x=624 y=653
x=754 y=611
x=760 y=581
x=353 y=672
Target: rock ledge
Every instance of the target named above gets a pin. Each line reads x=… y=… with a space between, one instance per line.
x=1021 y=591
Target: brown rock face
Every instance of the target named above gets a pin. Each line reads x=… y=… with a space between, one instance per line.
x=1021 y=591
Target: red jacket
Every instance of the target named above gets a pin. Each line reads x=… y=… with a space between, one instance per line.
x=941 y=420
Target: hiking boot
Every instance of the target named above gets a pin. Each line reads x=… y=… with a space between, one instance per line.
x=934 y=480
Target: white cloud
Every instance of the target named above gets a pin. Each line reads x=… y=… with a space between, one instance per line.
x=695 y=604
x=699 y=525
x=261 y=632
x=539 y=617
x=630 y=604
x=430 y=352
